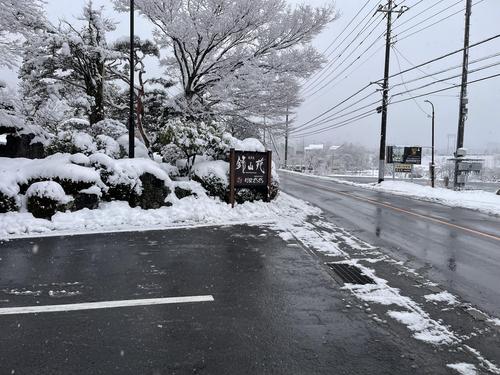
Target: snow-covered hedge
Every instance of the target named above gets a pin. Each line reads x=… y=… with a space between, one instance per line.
x=141 y=182
x=214 y=177
x=46 y=198
x=109 y=137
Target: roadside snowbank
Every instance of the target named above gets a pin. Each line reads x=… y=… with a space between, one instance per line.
x=119 y=216
x=475 y=200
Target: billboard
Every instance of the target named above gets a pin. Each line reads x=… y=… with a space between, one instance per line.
x=404 y=155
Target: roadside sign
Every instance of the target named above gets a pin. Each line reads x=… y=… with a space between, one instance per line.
x=403 y=168
x=404 y=155
x=467 y=166
x=249 y=170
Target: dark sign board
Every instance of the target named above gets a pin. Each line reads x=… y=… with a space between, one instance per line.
x=249 y=170
x=404 y=155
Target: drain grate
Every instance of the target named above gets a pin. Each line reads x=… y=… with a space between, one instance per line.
x=350 y=274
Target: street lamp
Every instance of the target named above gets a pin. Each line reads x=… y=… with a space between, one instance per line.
x=131 y=124
x=433 y=166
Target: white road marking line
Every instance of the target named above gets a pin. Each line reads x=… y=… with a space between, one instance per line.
x=103 y=305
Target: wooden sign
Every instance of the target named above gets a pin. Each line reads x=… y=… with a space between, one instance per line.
x=249 y=170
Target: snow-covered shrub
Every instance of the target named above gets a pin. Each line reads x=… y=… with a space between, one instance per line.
x=172 y=171
x=107 y=136
x=214 y=177
x=58 y=168
x=109 y=146
x=140 y=149
x=182 y=192
x=171 y=153
x=188 y=138
x=153 y=194
x=87 y=198
x=8 y=203
x=74 y=125
x=72 y=142
x=46 y=198
x=111 y=128
x=139 y=181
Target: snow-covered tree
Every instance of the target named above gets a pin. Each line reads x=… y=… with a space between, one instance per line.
x=189 y=138
x=236 y=57
x=70 y=64
x=142 y=50
x=18 y=20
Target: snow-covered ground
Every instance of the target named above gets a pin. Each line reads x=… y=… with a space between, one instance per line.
x=476 y=200
x=119 y=216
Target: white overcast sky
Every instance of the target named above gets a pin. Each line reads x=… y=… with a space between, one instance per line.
x=407 y=124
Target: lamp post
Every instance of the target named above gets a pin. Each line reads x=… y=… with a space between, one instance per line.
x=131 y=124
x=433 y=167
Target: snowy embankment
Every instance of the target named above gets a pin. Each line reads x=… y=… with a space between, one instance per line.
x=119 y=216
x=475 y=200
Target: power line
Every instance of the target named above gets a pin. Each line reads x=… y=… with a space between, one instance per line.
x=408 y=92
x=400 y=73
x=444 y=56
x=317 y=82
x=404 y=83
x=334 y=117
x=374 y=111
x=430 y=17
x=447 y=88
x=347 y=26
x=419 y=69
x=432 y=75
x=435 y=23
x=450 y=77
x=348 y=67
x=331 y=62
x=337 y=125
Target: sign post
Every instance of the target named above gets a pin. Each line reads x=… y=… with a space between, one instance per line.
x=250 y=170
x=231 y=176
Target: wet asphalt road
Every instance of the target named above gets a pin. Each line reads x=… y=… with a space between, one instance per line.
x=276 y=309
x=458 y=248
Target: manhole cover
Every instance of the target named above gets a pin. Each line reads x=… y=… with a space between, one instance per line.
x=350 y=274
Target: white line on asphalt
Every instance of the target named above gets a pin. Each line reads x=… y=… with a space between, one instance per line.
x=102 y=305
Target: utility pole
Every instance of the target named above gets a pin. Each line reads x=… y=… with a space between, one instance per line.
x=462 y=115
x=131 y=125
x=385 y=88
x=433 y=165
x=286 y=137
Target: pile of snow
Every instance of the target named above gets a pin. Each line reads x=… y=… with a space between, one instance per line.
x=444 y=297
x=190 y=211
x=49 y=189
x=248 y=144
x=464 y=368
x=477 y=200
